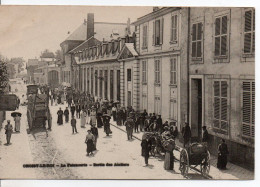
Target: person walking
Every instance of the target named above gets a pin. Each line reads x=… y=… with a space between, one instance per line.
x=66 y=114
x=94 y=131
x=169 y=158
x=17 y=120
x=159 y=127
x=73 y=123
x=114 y=113
x=129 y=123
x=186 y=133
x=72 y=109
x=146 y=147
x=89 y=141
x=106 y=121
x=83 y=119
x=8 y=132
x=93 y=118
x=60 y=117
x=78 y=109
x=205 y=135
x=124 y=115
x=99 y=119
x=222 y=155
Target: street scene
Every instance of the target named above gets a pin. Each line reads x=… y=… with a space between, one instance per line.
x=162 y=93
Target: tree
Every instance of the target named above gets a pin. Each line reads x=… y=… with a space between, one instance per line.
x=3 y=75
x=58 y=55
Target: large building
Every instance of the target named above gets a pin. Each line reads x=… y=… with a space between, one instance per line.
x=222 y=78
x=154 y=74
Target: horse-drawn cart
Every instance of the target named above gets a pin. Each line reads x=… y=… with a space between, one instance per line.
x=195 y=155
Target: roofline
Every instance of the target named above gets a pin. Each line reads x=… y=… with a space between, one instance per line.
x=81 y=44
x=155 y=14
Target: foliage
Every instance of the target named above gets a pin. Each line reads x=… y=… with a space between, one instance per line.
x=3 y=75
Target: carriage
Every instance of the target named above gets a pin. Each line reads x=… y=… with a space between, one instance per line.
x=38 y=109
x=193 y=156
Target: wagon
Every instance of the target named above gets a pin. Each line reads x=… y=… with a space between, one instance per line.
x=193 y=156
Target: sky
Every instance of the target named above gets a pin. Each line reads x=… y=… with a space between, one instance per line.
x=25 y=31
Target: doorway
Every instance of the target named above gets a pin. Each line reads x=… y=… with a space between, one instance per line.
x=196 y=109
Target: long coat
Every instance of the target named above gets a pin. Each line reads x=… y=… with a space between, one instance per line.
x=146 y=147
x=60 y=117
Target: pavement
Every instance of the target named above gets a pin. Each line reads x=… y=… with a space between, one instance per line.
x=62 y=148
x=233 y=171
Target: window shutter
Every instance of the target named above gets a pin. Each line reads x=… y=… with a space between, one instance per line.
x=161 y=31
x=172 y=25
x=248 y=20
x=153 y=33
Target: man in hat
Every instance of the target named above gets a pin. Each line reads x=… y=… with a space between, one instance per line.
x=66 y=114
x=73 y=123
x=8 y=131
x=60 y=117
x=129 y=123
x=72 y=109
x=106 y=121
x=186 y=133
x=94 y=131
x=159 y=124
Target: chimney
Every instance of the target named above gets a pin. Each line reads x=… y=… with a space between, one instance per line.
x=90 y=25
x=155 y=8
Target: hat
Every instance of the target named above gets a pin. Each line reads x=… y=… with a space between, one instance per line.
x=8 y=121
x=89 y=130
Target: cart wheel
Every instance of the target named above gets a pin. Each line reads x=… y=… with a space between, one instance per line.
x=205 y=165
x=184 y=162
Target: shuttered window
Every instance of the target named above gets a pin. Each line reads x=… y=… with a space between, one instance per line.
x=174 y=29
x=144 y=75
x=249 y=32
x=220 y=105
x=248 y=108
x=221 y=36
x=145 y=32
x=144 y=101
x=196 y=40
x=158 y=32
x=157 y=71
x=129 y=75
x=173 y=71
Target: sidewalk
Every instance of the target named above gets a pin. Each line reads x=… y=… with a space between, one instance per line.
x=233 y=172
x=13 y=157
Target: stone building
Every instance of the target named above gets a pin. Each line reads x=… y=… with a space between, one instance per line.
x=222 y=78
x=154 y=74
x=95 y=68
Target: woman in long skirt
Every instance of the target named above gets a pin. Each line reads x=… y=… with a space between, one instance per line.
x=17 y=120
x=168 y=161
x=90 y=142
x=83 y=119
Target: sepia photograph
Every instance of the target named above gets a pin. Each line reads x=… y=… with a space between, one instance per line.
x=127 y=92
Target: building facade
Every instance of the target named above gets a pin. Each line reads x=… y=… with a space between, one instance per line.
x=155 y=76
x=221 y=78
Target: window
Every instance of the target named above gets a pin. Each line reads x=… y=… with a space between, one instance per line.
x=249 y=32
x=220 y=105
x=173 y=71
x=105 y=82
x=111 y=84
x=129 y=76
x=248 y=110
x=157 y=71
x=118 y=84
x=85 y=77
x=158 y=32
x=196 y=43
x=145 y=33
x=221 y=36
x=88 y=80
x=174 y=30
x=157 y=107
x=144 y=76
x=96 y=83
x=100 y=83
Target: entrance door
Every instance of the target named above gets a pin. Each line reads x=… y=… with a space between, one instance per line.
x=129 y=96
x=196 y=108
